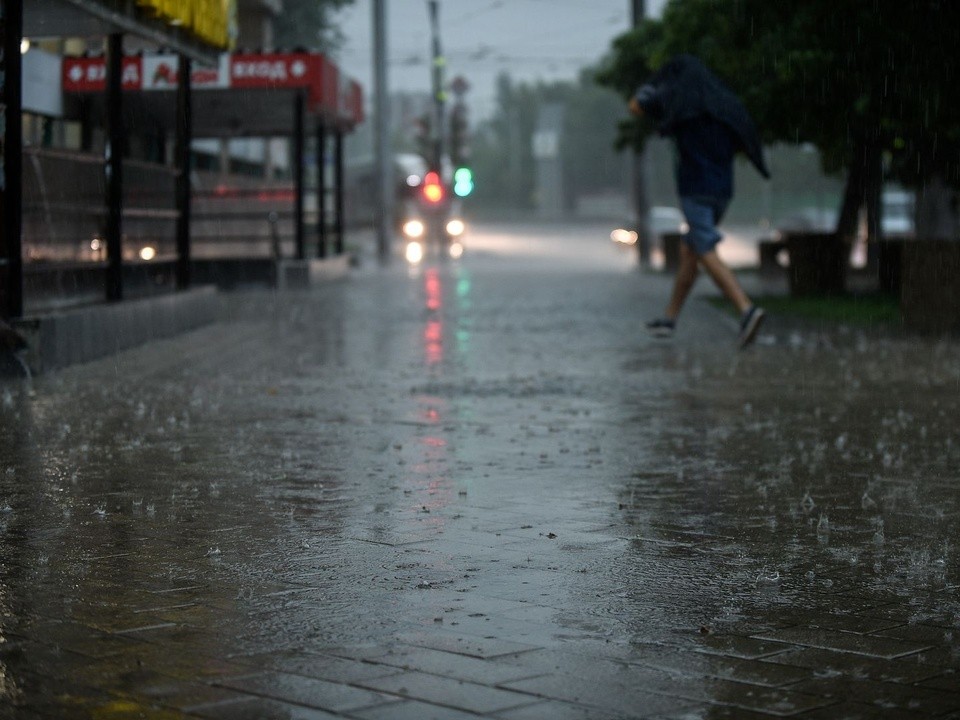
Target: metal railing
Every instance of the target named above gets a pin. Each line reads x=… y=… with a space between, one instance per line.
x=243 y=216
x=64 y=211
x=64 y=215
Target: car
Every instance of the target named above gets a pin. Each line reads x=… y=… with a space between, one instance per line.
x=896 y=220
x=662 y=220
x=898 y=213
x=666 y=220
x=808 y=220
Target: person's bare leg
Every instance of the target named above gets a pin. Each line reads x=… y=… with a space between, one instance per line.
x=725 y=280
x=683 y=282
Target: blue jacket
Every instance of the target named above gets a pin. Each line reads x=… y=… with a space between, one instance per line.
x=685 y=90
x=705 y=149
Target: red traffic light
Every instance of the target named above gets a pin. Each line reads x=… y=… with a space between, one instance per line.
x=432 y=188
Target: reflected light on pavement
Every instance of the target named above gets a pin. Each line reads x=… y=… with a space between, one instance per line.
x=432 y=285
x=433 y=342
x=433 y=331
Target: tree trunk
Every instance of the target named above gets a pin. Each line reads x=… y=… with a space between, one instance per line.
x=873 y=191
x=853 y=195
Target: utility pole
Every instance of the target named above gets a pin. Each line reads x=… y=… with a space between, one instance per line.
x=382 y=133
x=639 y=171
x=439 y=94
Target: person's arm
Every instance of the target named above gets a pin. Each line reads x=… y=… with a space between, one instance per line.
x=646 y=101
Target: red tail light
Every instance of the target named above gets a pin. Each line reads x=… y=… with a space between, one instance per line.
x=432 y=188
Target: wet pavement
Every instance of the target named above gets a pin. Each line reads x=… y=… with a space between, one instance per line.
x=478 y=489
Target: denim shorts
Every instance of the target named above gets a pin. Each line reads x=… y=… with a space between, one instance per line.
x=703 y=214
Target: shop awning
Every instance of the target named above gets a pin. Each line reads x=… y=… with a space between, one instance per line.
x=90 y=18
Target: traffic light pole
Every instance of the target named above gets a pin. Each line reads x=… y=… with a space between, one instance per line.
x=439 y=95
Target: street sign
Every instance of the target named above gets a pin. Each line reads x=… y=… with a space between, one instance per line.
x=459 y=86
x=546 y=144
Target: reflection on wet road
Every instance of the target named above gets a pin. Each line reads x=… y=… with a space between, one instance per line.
x=476 y=488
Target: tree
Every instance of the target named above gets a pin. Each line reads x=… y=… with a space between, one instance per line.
x=632 y=60
x=307 y=24
x=502 y=154
x=589 y=132
x=502 y=158
x=873 y=84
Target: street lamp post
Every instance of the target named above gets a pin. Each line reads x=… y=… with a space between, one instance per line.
x=638 y=168
x=439 y=94
x=382 y=135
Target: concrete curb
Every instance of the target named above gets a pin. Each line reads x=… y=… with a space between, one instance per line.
x=76 y=336
x=83 y=334
x=299 y=274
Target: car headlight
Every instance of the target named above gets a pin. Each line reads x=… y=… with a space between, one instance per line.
x=456 y=250
x=455 y=228
x=413 y=228
x=414 y=252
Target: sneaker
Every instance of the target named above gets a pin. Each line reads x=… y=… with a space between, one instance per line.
x=749 y=325
x=660 y=328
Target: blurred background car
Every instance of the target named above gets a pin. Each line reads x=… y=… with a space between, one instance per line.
x=666 y=220
x=663 y=220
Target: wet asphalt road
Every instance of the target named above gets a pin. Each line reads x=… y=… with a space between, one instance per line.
x=477 y=489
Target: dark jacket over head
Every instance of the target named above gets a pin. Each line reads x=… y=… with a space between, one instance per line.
x=685 y=89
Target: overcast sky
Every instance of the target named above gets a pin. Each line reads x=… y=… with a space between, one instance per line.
x=530 y=39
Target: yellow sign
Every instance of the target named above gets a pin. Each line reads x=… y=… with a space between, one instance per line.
x=213 y=21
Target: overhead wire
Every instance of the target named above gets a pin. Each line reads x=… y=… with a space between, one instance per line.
x=495 y=5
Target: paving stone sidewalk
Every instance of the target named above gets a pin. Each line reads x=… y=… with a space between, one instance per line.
x=472 y=491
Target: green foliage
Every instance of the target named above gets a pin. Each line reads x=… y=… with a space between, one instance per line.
x=306 y=24
x=589 y=134
x=841 y=75
x=633 y=60
x=502 y=156
x=868 y=310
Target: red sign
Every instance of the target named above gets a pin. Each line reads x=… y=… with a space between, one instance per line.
x=257 y=71
x=90 y=74
x=329 y=93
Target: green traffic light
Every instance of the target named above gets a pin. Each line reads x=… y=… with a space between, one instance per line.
x=463 y=182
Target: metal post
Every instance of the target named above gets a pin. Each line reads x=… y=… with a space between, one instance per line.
x=384 y=199
x=638 y=171
x=113 y=167
x=184 y=125
x=298 y=158
x=338 y=190
x=11 y=174
x=439 y=94
x=321 y=190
